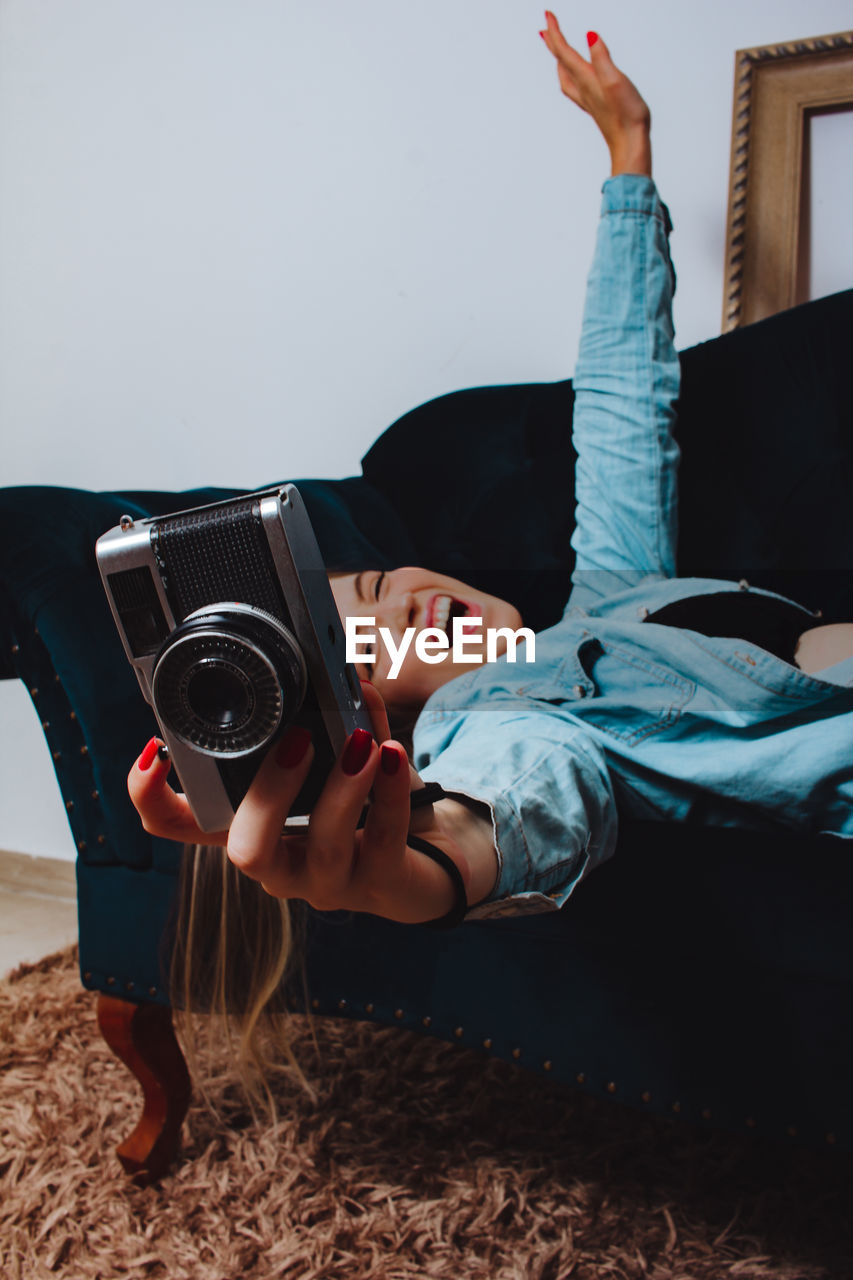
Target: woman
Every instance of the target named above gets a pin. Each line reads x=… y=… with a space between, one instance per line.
x=685 y=700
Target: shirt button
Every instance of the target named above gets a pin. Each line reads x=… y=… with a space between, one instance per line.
x=743 y=584
x=579 y=691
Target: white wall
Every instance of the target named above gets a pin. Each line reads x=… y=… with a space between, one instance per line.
x=240 y=237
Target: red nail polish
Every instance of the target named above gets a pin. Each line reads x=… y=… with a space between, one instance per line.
x=292 y=748
x=543 y=34
x=390 y=760
x=357 y=752
x=591 y=38
x=149 y=752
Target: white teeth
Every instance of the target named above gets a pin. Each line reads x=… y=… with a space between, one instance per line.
x=441 y=612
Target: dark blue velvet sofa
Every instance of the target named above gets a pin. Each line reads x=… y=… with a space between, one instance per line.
x=701 y=972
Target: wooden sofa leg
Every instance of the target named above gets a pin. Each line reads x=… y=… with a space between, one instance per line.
x=143 y=1036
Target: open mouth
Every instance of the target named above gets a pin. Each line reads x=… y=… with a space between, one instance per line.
x=443 y=609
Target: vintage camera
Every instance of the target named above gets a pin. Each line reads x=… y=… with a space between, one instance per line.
x=226 y=615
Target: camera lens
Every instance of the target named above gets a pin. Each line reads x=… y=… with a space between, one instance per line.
x=228 y=679
x=219 y=694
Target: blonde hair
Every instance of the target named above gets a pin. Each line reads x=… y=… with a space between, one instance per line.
x=238 y=956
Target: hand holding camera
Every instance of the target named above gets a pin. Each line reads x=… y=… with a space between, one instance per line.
x=331 y=863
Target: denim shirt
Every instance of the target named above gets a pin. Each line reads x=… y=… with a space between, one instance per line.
x=618 y=716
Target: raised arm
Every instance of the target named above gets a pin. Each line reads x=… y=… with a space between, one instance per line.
x=627 y=374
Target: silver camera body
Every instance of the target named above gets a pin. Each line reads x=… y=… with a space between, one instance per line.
x=226 y=615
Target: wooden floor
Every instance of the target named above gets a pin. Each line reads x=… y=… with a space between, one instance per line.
x=38 y=908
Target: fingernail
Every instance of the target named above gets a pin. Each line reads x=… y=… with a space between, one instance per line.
x=591 y=38
x=389 y=758
x=543 y=34
x=163 y=753
x=357 y=752
x=292 y=748
x=149 y=752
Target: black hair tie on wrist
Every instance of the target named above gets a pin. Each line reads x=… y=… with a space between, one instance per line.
x=428 y=794
x=456 y=914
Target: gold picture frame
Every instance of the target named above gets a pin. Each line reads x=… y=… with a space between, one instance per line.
x=777 y=87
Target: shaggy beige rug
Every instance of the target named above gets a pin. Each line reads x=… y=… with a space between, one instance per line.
x=418 y=1159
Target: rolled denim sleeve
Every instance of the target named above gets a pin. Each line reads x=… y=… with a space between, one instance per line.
x=547 y=789
x=626 y=383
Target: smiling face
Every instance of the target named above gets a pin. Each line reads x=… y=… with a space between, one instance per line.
x=419 y=598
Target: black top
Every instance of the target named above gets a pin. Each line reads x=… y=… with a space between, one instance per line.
x=774 y=625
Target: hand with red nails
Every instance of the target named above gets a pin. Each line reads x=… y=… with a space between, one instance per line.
x=600 y=88
x=331 y=864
